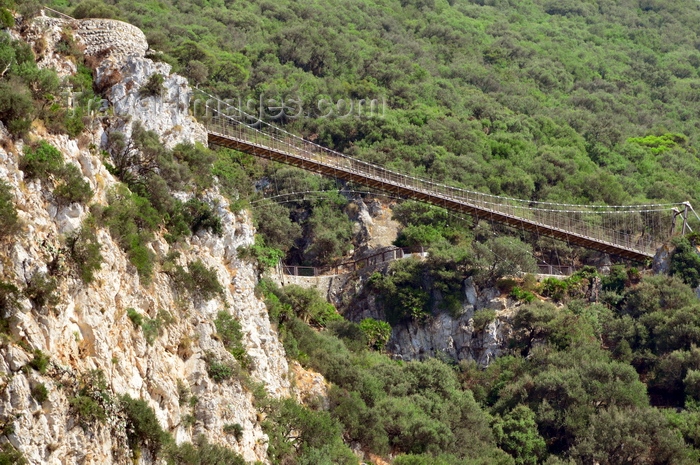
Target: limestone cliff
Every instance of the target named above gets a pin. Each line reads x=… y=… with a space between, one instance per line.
x=88 y=327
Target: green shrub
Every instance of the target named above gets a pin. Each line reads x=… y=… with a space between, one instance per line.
x=183 y=392
x=84 y=250
x=685 y=262
x=402 y=291
x=8 y=212
x=572 y=287
x=500 y=257
x=228 y=329
x=151 y=171
x=330 y=231
x=151 y=328
x=95 y=9
x=72 y=187
x=40 y=362
x=11 y=456
x=201 y=216
x=205 y=282
x=143 y=427
x=87 y=410
x=273 y=222
x=74 y=122
x=16 y=106
x=483 y=318
x=153 y=87
x=308 y=305
x=377 y=332
x=199 y=281
x=135 y=317
x=202 y=453
x=41 y=161
x=44 y=160
x=54 y=117
x=142 y=258
x=316 y=435
x=554 y=288
x=189 y=420
x=231 y=169
x=8 y=296
x=6 y=18
x=41 y=290
x=519 y=294
x=131 y=220
x=517 y=434
x=219 y=370
x=279 y=312
x=265 y=257
x=89 y=402
x=351 y=334
x=29 y=8
x=199 y=160
x=40 y=392
x=67 y=45
x=234 y=429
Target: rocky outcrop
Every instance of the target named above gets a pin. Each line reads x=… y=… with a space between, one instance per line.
x=120 y=49
x=661 y=263
x=451 y=338
x=88 y=328
x=167 y=113
x=444 y=335
x=454 y=336
x=374 y=226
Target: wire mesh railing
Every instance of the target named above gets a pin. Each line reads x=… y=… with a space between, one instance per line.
x=385 y=256
x=639 y=228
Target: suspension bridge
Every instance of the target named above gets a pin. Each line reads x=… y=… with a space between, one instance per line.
x=632 y=232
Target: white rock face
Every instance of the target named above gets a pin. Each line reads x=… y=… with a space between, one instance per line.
x=454 y=336
x=662 y=259
x=166 y=113
x=89 y=328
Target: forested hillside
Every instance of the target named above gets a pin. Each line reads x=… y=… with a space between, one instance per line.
x=576 y=101
x=565 y=101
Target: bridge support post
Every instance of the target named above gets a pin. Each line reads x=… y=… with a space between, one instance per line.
x=685 y=216
x=674 y=220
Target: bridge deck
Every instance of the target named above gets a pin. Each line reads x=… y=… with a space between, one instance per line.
x=411 y=192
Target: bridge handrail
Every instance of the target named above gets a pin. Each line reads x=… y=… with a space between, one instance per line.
x=568 y=207
x=545 y=217
x=594 y=224
x=386 y=256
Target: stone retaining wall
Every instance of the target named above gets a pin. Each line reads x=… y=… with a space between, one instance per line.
x=99 y=36
x=107 y=35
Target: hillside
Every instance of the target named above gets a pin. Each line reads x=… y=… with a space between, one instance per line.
x=136 y=322
x=580 y=102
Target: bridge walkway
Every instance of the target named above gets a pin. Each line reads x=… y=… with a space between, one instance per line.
x=568 y=226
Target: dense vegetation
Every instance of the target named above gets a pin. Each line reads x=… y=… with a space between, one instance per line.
x=573 y=103
x=549 y=100
x=615 y=383
x=27 y=92
x=569 y=101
